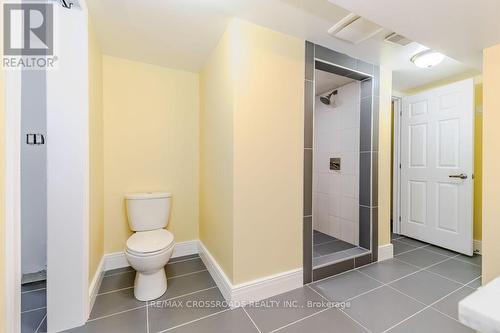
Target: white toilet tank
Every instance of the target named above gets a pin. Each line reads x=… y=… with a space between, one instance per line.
x=148 y=211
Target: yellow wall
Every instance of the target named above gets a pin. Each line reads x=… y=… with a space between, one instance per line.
x=478 y=125
x=216 y=154
x=268 y=154
x=96 y=232
x=151 y=140
x=384 y=157
x=251 y=165
x=491 y=164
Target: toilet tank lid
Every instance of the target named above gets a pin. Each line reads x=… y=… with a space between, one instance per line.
x=147 y=195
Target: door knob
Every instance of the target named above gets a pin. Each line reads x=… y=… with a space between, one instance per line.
x=461 y=176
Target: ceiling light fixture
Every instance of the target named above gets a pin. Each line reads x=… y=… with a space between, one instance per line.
x=427 y=59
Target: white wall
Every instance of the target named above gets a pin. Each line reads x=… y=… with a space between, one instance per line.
x=68 y=173
x=336 y=193
x=33 y=174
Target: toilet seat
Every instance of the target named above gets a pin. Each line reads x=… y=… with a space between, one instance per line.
x=151 y=242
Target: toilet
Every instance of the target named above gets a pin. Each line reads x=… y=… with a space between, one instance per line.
x=150 y=247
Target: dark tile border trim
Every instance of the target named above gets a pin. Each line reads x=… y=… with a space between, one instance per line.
x=330 y=270
x=317 y=56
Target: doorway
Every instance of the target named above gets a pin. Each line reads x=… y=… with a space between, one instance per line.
x=33 y=201
x=339 y=236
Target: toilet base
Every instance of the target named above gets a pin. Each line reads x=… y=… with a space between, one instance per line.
x=150 y=286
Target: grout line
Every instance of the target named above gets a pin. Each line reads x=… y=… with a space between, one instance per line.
x=432 y=272
x=444 y=314
x=411 y=297
x=31 y=310
x=254 y=324
x=478 y=278
x=125 y=288
x=183 y=260
x=354 y=320
x=298 y=320
x=188 y=294
x=430 y=249
x=119 y=273
x=466 y=262
x=413 y=248
x=133 y=270
x=116 y=313
x=425 y=308
x=345 y=313
x=114 y=291
x=29 y=291
x=419 y=269
x=190 y=273
x=447 y=278
x=411 y=241
x=147 y=317
x=147 y=306
x=195 y=320
x=41 y=322
x=462 y=286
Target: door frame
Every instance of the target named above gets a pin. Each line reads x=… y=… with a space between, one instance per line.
x=12 y=104
x=12 y=211
x=396 y=167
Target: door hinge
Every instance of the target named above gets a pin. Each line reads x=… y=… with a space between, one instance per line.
x=400 y=165
x=400 y=219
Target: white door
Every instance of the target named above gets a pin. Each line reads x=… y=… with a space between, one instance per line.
x=437 y=166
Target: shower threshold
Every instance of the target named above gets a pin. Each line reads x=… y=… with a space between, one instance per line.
x=333 y=258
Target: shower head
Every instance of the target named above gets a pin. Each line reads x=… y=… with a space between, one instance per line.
x=327 y=99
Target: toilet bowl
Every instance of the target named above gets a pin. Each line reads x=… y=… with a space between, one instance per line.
x=150 y=247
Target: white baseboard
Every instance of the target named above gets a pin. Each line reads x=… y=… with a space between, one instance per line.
x=254 y=290
x=95 y=284
x=119 y=260
x=477 y=246
x=185 y=248
x=217 y=273
x=385 y=252
x=115 y=260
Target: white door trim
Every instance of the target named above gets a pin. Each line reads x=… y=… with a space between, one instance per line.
x=396 y=174
x=13 y=201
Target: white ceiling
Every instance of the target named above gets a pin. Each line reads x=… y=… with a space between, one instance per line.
x=182 y=33
x=326 y=82
x=459 y=28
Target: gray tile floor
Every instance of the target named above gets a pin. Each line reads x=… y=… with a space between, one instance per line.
x=328 y=250
x=33 y=307
x=417 y=291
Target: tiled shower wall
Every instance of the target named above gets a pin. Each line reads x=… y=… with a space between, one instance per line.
x=322 y=58
x=336 y=193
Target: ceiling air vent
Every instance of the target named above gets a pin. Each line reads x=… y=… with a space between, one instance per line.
x=396 y=38
x=354 y=29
